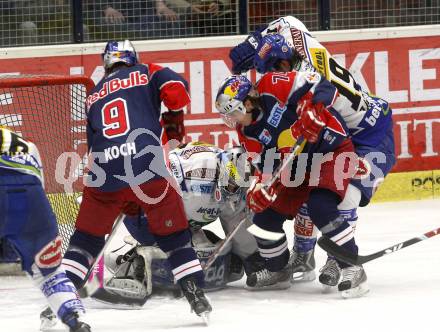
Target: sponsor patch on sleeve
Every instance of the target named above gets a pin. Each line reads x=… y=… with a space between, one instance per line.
x=312 y=77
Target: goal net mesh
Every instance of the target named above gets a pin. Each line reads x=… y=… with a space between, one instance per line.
x=49 y=110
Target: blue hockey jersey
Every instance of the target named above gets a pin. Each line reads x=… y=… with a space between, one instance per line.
x=124 y=130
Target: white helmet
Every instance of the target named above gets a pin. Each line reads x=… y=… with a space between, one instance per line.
x=230 y=97
x=119 y=51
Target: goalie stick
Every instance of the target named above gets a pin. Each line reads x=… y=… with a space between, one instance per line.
x=90 y=286
x=222 y=244
x=344 y=255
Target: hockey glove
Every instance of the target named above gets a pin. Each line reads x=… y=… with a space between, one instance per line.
x=310 y=122
x=242 y=55
x=172 y=122
x=259 y=198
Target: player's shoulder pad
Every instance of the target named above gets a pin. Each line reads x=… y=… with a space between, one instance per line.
x=153 y=68
x=250 y=144
x=278 y=85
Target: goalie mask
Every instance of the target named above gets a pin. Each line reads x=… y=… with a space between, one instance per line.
x=230 y=179
x=119 y=52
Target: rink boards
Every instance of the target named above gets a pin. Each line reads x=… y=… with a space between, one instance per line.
x=401 y=65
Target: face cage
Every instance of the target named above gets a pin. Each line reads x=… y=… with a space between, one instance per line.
x=229 y=121
x=229 y=118
x=112 y=58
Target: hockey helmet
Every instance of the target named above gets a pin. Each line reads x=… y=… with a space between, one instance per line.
x=230 y=97
x=119 y=51
x=270 y=50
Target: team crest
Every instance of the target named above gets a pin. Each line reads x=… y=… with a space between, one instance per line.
x=312 y=77
x=363 y=169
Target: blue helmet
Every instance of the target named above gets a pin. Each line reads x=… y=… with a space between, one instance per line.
x=230 y=96
x=270 y=50
x=119 y=51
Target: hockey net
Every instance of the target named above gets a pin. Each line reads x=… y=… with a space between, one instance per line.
x=50 y=111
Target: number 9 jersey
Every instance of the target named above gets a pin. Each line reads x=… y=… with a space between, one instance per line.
x=123 y=124
x=368 y=117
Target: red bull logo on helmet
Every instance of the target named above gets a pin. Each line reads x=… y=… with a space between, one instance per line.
x=232 y=89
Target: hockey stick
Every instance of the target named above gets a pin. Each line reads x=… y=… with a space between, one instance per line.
x=89 y=287
x=296 y=150
x=344 y=255
x=222 y=244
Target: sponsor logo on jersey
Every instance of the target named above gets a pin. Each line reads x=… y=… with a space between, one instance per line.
x=329 y=137
x=319 y=60
x=202 y=188
x=116 y=151
x=376 y=107
x=265 y=136
x=201 y=173
x=196 y=149
x=298 y=42
x=275 y=115
x=135 y=79
x=25 y=159
x=50 y=256
x=209 y=214
x=175 y=170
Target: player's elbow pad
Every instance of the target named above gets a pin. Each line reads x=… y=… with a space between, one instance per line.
x=174 y=95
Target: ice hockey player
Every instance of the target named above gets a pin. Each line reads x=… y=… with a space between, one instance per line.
x=369 y=120
x=288 y=106
x=28 y=223
x=124 y=138
x=212 y=181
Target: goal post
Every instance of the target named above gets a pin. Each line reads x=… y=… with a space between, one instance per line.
x=49 y=110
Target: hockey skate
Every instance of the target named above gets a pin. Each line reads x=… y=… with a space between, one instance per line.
x=354 y=282
x=268 y=280
x=75 y=325
x=47 y=319
x=196 y=298
x=303 y=266
x=330 y=274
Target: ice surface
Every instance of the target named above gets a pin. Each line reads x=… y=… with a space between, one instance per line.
x=404 y=295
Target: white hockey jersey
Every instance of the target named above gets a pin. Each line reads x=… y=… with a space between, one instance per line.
x=19 y=155
x=195 y=168
x=366 y=116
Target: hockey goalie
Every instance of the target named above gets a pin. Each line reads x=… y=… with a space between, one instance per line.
x=213 y=186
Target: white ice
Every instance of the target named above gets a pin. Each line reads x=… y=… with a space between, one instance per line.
x=404 y=291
